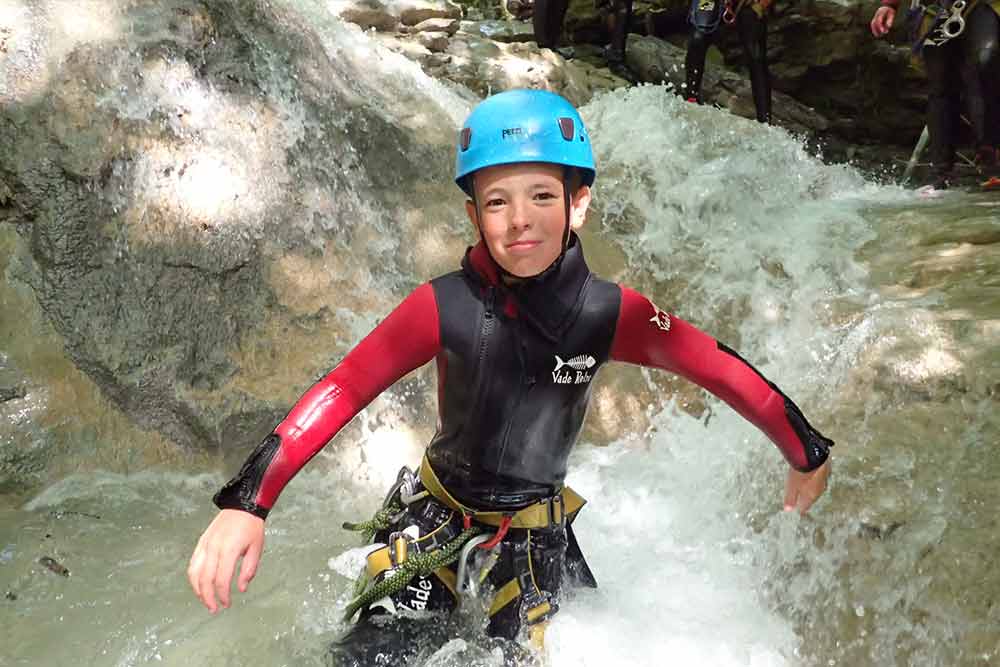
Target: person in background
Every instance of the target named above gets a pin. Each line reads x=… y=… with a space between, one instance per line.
x=750 y=18
x=959 y=42
x=548 y=18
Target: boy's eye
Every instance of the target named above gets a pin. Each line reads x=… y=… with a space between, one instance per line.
x=494 y=202
x=545 y=195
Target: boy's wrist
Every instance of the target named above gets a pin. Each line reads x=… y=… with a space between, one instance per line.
x=225 y=501
x=241 y=492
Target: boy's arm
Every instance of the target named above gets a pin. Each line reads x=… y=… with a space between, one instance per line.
x=648 y=336
x=407 y=339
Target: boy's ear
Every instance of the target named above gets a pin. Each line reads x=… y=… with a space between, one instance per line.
x=578 y=207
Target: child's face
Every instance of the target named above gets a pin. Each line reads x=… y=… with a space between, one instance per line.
x=523 y=214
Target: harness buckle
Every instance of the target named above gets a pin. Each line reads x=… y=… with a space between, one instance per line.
x=537 y=607
x=399 y=546
x=557 y=511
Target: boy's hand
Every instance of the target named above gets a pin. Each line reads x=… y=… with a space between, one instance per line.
x=231 y=535
x=803 y=488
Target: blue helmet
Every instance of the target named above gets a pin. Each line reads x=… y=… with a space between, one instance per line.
x=523 y=126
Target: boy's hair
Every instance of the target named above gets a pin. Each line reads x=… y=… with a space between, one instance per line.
x=573 y=179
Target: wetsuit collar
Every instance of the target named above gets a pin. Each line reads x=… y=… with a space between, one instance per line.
x=551 y=300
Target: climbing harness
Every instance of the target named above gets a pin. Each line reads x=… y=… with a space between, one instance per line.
x=391 y=567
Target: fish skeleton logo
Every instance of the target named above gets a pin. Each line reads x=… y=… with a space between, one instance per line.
x=660 y=318
x=581 y=363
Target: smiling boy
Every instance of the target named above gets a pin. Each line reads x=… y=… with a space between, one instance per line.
x=518 y=335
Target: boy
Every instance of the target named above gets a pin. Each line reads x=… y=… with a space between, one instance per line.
x=518 y=335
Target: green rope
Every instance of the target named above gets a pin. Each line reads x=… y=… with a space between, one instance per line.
x=380 y=521
x=416 y=565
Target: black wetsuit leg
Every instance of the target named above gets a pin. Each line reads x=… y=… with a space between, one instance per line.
x=704 y=17
x=694 y=61
x=943 y=96
x=619 y=19
x=547 y=21
x=753 y=35
x=536 y=559
x=980 y=44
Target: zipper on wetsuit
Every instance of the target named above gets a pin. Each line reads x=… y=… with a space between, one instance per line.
x=523 y=381
x=488 y=324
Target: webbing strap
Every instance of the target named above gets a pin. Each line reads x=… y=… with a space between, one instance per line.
x=507 y=594
x=541 y=514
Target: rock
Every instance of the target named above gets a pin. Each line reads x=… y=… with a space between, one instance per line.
x=366 y=14
x=433 y=41
x=521 y=10
x=9 y=393
x=501 y=31
x=447 y=26
x=407 y=47
x=484 y=66
x=473 y=47
x=178 y=211
x=53 y=565
x=412 y=12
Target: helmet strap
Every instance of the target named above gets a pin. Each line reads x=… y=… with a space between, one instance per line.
x=567 y=173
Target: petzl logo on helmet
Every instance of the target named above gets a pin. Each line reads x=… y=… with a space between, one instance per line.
x=509 y=132
x=580 y=363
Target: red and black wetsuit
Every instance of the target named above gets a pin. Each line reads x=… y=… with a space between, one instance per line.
x=515 y=368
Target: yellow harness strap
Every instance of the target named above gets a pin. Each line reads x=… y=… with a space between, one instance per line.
x=541 y=514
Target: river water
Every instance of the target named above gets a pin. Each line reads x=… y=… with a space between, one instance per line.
x=877 y=311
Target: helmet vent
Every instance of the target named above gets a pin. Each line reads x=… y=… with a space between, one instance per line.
x=465 y=138
x=566 y=127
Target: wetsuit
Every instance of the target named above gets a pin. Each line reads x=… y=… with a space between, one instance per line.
x=619 y=16
x=969 y=62
x=516 y=366
x=751 y=24
x=547 y=21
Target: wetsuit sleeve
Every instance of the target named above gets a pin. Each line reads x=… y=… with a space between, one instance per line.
x=648 y=336
x=407 y=339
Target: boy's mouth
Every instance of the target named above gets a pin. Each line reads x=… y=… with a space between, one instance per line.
x=522 y=245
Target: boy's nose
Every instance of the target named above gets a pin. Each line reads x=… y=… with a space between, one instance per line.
x=519 y=215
